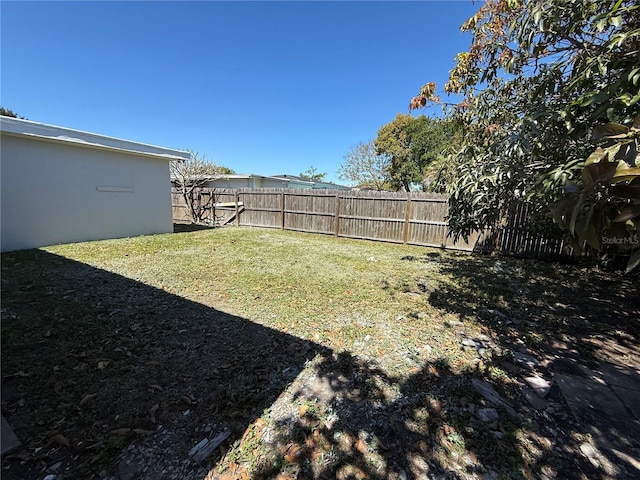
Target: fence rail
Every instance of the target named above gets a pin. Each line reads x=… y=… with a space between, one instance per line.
x=397 y=217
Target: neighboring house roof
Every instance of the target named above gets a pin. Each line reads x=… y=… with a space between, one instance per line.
x=313 y=184
x=291 y=180
x=244 y=176
x=42 y=131
x=295 y=178
x=229 y=176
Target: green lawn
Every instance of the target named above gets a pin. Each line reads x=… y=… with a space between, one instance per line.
x=103 y=341
x=331 y=291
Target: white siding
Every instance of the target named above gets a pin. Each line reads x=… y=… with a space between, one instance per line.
x=56 y=192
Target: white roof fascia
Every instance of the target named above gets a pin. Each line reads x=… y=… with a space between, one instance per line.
x=245 y=176
x=222 y=176
x=42 y=131
x=231 y=176
x=268 y=177
x=299 y=182
x=294 y=180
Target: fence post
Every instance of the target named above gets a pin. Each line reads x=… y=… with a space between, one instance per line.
x=407 y=217
x=336 y=222
x=445 y=233
x=282 y=210
x=237 y=200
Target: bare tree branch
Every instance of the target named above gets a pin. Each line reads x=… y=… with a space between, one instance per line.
x=190 y=178
x=364 y=167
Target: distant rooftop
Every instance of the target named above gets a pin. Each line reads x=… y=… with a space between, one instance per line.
x=298 y=178
x=290 y=178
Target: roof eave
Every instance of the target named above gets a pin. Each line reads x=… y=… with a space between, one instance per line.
x=44 y=132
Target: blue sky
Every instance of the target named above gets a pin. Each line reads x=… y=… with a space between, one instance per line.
x=260 y=87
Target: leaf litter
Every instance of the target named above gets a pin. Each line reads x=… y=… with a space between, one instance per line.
x=315 y=365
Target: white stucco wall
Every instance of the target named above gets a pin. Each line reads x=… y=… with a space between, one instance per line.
x=60 y=192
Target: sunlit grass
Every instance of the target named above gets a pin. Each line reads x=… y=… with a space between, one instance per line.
x=348 y=294
x=392 y=318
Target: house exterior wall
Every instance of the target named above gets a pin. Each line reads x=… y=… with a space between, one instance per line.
x=268 y=183
x=56 y=192
x=229 y=183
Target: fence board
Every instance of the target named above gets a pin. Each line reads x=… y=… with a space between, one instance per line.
x=261 y=209
x=415 y=219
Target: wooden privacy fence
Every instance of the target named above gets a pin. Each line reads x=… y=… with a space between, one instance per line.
x=415 y=219
x=517 y=238
x=398 y=217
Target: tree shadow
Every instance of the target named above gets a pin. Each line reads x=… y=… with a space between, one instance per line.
x=93 y=361
x=349 y=420
x=574 y=324
x=559 y=309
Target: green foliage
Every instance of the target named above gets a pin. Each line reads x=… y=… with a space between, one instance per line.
x=416 y=148
x=7 y=112
x=313 y=175
x=222 y=170
x=364 y=167
x=604 y=211
x=432 y=140
x=538 y=77
x=393 y=140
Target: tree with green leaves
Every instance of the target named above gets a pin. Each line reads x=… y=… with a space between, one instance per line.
x=544 y=84
x=222 y=170
x=394 y=141
x=364 y=167
x=313 y=175
x=416 y=147
x=432 y=139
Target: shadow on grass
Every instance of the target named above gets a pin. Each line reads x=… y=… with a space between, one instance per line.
x=567 y=317
x=190 y=227
x=554 y=307
x=92 y=361
x=351 y=421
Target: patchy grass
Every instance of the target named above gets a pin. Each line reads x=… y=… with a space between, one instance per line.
x=336 y=292
x=323 y=356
